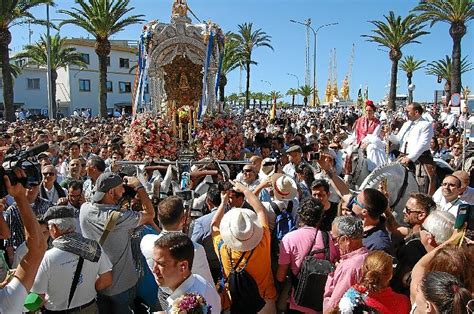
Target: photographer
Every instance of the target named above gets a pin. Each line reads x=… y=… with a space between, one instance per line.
x=12 y=296
x=96 y=216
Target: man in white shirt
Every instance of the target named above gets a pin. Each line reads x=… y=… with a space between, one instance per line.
x=71 y=253
x=172 y=217
x=451 y=189
x=466 y=192
x=415 y=135
x=173 y=257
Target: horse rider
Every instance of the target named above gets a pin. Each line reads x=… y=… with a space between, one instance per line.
x=414 y=139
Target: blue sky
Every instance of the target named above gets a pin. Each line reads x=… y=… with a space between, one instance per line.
x=371 y=66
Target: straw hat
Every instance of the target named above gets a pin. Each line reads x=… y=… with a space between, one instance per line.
x=284 y=187
x=241 y=230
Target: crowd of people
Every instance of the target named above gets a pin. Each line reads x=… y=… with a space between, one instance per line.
x=283 y=232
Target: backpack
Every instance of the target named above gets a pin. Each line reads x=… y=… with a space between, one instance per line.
x=310 y=281
x=243 y=289
x=284 y=222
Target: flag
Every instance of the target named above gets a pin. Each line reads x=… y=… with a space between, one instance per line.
x=366 y=93
x=273 y=110
x=360 y=100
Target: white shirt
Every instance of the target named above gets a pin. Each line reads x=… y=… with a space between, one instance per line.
x=442 y=204
x=55 y=274
x=12 y=297
x=414 y=140
x=200 y=264
x=197 y=284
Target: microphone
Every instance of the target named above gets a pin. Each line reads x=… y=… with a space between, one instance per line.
x=35 y=150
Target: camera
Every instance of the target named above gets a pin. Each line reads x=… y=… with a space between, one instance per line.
x=314 y=156
x=20 y=159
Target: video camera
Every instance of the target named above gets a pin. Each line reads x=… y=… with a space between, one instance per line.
x=22 y=160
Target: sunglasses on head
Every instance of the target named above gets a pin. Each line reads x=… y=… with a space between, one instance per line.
x=46 y=174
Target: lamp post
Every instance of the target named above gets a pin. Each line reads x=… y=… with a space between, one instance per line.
x=270 y=84
x=315 y=33
x=298 y=82
x=48 y=66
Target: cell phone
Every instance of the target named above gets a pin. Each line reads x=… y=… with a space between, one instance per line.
x=465 y=214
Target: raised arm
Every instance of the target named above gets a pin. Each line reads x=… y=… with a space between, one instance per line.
x=326 y=162
x=148 y=212
x=253 y=200
x=28 y=267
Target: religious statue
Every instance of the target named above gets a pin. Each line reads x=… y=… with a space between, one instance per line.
x=180 y=8
x=183 y=82
x=345 y=89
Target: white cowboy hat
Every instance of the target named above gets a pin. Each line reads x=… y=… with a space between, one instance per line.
x=241 y=230
x=284 y=187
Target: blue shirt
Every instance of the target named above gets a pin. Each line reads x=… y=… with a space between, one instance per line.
x=378 y=238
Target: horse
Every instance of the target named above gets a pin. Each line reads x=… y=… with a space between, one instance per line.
x=358 y=169
x=401 y=183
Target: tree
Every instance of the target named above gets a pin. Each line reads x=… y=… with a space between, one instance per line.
x=292 y=92
x=61 y=56
x=409 y=64
x=14 y=69
x=275 y=95
x=102 y=19
x=13 y=12
x=443 y=69
x=456 y=13
x=248 y=40
x=305 y=91
x=394 y=34
x=230 y=61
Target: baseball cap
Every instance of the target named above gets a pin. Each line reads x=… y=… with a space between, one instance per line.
x=105 y=182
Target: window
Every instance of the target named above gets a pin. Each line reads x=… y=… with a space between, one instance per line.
x=85 y=57
x=20 y=62
x=108 y=61
x=110 y=88
x=125 y=87
x=146 y=90
x=34 y=83
x=85 y=85
x=124 y=63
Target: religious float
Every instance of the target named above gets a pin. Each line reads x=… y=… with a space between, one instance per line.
x=180 y=63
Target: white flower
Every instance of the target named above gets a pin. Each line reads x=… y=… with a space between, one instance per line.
x=346 y=306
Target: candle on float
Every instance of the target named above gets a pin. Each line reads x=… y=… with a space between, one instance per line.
x=190 y=130
x=180 y=131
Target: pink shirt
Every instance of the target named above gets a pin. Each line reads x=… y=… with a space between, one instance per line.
x=348 y=272
x=293 y=248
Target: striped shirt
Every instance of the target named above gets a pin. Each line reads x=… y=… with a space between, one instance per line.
x=13 y=219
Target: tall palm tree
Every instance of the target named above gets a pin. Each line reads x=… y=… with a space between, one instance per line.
x=456 y=13
x=394 y=33
x=275 y=95
x=305 y=91
x=248 y=40
x=13 y=12
x=292 y=92
x=443 y=69
x=15 y=70
x=102 y=19
x=409 y=64
x=61 y=56
x=230 y=61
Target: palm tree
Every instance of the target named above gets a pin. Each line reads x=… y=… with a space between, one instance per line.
x=305 y=91
x=443 y=69
x=409 y=64
x=15 y=70
x=275 y=95
x=13 y=12
x=102 y=19
x=61 y=56
x=394 y=34
x=457 y=13
x=248 y=40
x=233 y=98
x=292 y=92
x=230 y=61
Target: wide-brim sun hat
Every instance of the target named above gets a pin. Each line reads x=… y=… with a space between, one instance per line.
x=240 y=229
x=284 y=187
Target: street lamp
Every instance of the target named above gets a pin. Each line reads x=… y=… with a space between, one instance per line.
x=315 y=33
x=298 y=82
x=48 y=66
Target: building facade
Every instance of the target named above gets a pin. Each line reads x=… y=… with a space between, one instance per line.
x=77 y=88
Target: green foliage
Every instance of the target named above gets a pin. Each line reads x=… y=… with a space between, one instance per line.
x=409 y=64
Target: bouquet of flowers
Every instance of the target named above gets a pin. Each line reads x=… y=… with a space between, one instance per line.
x=353 y=299
x=150 y=136
x=219 y=137
x=190 y=303
x=183 y=113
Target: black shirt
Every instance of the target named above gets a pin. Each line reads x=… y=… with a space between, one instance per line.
x=328 y=217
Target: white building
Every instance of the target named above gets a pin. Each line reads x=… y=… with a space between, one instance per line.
x=78 y=87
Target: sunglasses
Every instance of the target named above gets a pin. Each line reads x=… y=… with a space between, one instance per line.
x=46 y=174
x=354 y=201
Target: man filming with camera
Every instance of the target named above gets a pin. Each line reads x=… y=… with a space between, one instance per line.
x=104 y=217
